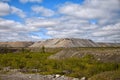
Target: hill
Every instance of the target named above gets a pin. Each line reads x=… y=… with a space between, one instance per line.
x=59 y=43
x=109 y=44
x=15 y=44
x=65 y=42
x=99 y=53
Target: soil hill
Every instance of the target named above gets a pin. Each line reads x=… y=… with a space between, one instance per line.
x=109 y=44
x=65 y=42
x=103 y=54
x=15 y=44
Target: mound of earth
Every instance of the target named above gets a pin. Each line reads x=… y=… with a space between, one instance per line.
x=65 y=42
x=109 y=44
x=103 y=54
x=15 y=44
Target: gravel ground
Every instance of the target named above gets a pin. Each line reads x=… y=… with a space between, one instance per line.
x=21 y=76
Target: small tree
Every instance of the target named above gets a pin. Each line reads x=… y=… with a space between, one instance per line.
x=5 y=49
x=43 y=49
x=23 y=50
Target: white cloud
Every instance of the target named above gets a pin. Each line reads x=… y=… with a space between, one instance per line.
x=74 y=22
x=32 y=1
x=92 y=9
x=108 y=30
x=112 y=27
x=39 y=23
x=11 y=30
x=108 y=33
x=11 y=26
x=105 y=12
x=13 y=36
x=43 y=11
x=18 y=12
x=35 y=37
x=4 y=9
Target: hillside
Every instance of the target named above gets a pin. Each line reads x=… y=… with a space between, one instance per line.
x=109 y=44
x=65 y=42
x=59 y=43
x=102 y=54
x=15 y=44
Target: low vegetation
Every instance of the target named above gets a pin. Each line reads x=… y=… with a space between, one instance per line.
x=75 y=67
x=109 y=75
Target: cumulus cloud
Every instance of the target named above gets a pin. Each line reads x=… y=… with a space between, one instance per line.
x=105 y=12
x=41 y=22
x=109 y=30
x=10 y=26
x=13 y=36
x=12 y=30
x=4 y=9
x=43 y=11
x=32 y=1
x=108 y=33
x=92 y=9
x=68 y=28
x=98 y=20
x=18 y=12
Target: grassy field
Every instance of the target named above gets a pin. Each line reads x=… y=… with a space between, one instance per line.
x=86 y=66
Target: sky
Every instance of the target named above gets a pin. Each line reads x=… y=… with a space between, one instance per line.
x=35 y=20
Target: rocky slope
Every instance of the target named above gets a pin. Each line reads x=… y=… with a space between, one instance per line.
x=109 y=44
x=103 y=54
x=65 y=42
x=15 y=44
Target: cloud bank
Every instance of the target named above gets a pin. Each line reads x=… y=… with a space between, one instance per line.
x=98 y=20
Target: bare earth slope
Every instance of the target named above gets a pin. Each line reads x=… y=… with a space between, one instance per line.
x=103 y=54
x=59 y=42
x=109 y=44
x=66 y=42
x=15 y=44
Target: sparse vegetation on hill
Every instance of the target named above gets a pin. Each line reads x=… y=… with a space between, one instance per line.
x=32 y=62
x=108 y=54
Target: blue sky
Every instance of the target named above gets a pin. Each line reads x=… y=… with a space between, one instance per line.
x=27 y=6
x=35 y=20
